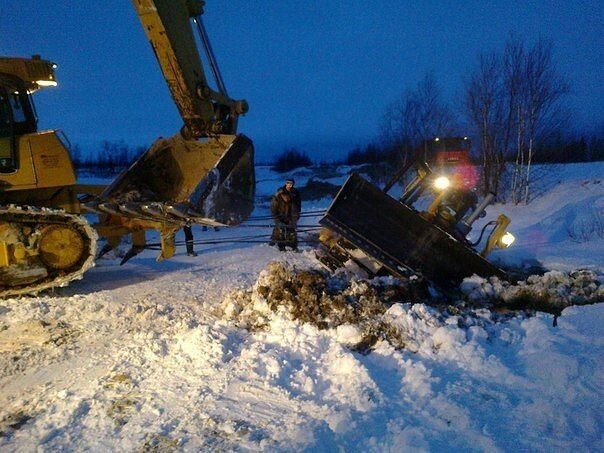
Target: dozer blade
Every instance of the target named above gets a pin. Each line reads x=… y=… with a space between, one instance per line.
x=211 y=180
x=399 y=238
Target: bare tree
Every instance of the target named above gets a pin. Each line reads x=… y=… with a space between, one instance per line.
x=113 y=156
x=513 y=102
x=420 y=114
x=544 y=89
x=435 y=116
x=76 y=155
x=485 y=111
x=513 y=61
x=399 y=130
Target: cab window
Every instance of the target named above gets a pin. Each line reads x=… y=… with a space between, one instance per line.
x=7 y=162
x=5 y=129
x=17 y=107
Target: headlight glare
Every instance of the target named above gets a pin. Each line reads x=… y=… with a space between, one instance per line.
x=442 y=183
x=507 y=239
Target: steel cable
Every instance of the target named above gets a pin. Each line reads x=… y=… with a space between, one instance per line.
x=254 y=238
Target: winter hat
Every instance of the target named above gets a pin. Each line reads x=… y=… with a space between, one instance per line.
x=290 y=180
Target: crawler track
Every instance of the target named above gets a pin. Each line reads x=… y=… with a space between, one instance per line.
x=58 y=248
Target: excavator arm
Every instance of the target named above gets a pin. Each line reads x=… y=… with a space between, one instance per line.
x=167 y=24
x=203 y=174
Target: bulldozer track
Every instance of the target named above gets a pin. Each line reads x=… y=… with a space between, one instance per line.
x=59 y=234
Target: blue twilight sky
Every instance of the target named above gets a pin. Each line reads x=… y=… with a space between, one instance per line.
x=316 y=74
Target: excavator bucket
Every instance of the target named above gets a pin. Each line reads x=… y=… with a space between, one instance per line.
x=398 y=238
x=209 y=181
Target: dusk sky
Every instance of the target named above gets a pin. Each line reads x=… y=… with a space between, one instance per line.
x=317 y=75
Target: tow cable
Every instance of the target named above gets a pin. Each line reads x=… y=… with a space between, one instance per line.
x=260 y=238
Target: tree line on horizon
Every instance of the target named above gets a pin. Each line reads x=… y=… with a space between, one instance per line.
x=512 y=107
x=110 y=157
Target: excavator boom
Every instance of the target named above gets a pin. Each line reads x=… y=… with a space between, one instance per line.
x=167 y=24
x=203 y=174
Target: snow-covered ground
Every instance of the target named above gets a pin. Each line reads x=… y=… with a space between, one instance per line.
x=196 y=353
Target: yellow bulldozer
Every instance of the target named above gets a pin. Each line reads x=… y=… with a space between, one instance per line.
x=204 y=174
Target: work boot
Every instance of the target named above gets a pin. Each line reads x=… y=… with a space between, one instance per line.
x=190 y=249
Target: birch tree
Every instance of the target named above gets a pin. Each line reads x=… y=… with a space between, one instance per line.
x=515 y=123
x=484 y=108
x=513 y=101
x=544 y=88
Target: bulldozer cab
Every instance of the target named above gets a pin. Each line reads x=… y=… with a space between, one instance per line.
x=16 y=118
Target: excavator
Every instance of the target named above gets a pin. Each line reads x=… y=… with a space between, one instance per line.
x=204 y=174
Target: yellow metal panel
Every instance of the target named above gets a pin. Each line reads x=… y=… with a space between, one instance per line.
x=503 y=222
x=6 y=148
x=51 y=160
x=90 y=189
x=43 y=162
x=4 y=257
x=25 y=176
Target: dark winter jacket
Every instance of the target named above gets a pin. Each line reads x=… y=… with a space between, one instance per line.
x=286 y=212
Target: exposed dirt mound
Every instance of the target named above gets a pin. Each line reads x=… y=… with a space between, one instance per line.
x=339 y=302
x=550 y=292
x=315 y=190
x=329 y=301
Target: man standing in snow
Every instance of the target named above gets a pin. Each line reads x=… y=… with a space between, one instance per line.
x=189 y=240
x=285 y=209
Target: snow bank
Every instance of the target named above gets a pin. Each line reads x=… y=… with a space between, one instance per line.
x=551 y=292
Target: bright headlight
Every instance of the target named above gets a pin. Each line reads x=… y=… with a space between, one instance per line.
x=507 y=239
x=442 y=182
x=46 y=83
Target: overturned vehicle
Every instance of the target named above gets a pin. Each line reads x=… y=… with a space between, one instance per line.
x=424 y=232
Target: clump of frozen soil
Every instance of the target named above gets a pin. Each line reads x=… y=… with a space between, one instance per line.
x=551 y=292
x=12 y=421
x=158 y=443
x=359 y=312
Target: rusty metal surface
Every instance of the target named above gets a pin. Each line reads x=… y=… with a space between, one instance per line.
x=399 y=238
